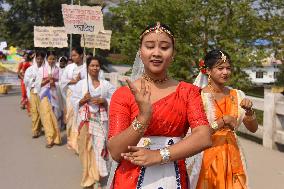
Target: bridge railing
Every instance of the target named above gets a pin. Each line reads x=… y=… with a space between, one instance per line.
x=272 y=130
x=272 y=105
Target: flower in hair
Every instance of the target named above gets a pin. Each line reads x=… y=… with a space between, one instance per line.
x=202 y=67
x=223 y=57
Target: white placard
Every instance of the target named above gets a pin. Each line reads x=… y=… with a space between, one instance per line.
x=50 y=37
x=3 y=45
x=98 y=41
x=82 y=19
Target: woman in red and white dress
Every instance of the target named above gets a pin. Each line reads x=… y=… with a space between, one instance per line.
x=150 y=117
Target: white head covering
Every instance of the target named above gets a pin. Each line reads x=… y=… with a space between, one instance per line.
x=138 y=68
x=201 y=80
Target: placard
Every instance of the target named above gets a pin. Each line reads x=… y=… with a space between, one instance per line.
x=82 y=19
x=98 y=41
x=50 y=37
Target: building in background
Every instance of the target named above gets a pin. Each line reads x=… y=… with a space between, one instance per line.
x=266 y=73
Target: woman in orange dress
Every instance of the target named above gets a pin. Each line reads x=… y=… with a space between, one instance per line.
x=223 y=165
x=149 y=118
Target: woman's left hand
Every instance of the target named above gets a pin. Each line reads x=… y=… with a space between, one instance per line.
x=142 y=157
x=246 y=104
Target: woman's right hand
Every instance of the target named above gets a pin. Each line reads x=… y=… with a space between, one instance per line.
x=87 y=97
x=142 y=98
x=230 y=121
x=78 y=78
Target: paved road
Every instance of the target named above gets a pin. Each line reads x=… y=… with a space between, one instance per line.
x=25 y=163
x=265 y=167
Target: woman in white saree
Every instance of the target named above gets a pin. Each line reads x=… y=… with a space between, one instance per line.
x=70 y=77
x=91 y=97
x=50 y=110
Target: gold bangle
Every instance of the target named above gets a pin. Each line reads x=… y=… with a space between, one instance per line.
x=166 y=155
x=138 y=126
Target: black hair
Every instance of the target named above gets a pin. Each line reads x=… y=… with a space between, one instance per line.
x=214 y=56
x=89 y=60
x=90 y=54
x=50 y=53
x=150 y=26
x=78 y=50
x=28 y=55
x=40 y=53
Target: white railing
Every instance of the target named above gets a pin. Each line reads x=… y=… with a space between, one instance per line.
x=272 y=105
x=272 y=130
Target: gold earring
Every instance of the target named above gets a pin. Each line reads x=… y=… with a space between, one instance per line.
x=209 y=79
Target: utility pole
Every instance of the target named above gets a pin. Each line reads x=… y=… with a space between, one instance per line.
x=70 y=48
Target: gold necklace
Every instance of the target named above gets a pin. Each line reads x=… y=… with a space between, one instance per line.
x=149 y=79
x=213 y=90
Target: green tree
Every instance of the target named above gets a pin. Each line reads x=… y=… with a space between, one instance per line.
x=272 y=25
x=199 y=25
x=17 y=22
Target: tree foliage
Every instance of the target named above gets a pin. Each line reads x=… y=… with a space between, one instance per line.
x=18 y=22
x=199 y=25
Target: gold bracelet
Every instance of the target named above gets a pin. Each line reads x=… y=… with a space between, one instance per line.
x=138 y=126
x=214 y=125
x=166 y=155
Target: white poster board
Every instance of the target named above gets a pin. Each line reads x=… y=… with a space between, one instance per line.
x=98 y=41
x=82 y=19
x=3 y=45
x=50 y=37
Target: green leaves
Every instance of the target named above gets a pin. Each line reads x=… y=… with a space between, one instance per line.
x=199 y=26
x=17 y=23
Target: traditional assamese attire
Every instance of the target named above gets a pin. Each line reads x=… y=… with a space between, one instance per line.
x=30 y=78
x=93 y=121
x=223 y=165
x=70 y=72
x=50 y=110
x=23 y=66
x=171 y=118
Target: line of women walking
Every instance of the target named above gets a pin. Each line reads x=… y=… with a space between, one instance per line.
x=77 y=96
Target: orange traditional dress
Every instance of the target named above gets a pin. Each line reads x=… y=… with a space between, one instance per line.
x=172 y=116
x=223 y=164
